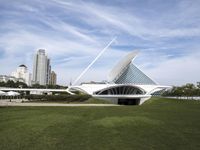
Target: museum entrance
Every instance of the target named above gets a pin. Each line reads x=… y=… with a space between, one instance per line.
x=127 y=101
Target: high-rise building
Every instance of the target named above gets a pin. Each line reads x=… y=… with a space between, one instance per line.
x=22 y=73
x=48 y=71
x=41 y=68
x=53 y=78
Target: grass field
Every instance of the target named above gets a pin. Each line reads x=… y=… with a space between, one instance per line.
x=160 y=124
x=89 y=101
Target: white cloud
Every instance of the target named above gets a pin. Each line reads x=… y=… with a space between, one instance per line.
x=176 y=71
x=73 y=33
x=118 y=19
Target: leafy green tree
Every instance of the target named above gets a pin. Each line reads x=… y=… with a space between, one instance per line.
x=2 y=84
x=21 y=84
x=10 y=83
x=13 y=84
x=186 y=90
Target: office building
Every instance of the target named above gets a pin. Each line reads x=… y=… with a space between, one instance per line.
x=41 y=68
x=53 y=78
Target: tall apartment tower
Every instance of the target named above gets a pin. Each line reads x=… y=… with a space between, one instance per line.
x=41 y=68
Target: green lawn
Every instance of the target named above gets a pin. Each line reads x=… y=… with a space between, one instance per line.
x=88 y=101
x=158 y=124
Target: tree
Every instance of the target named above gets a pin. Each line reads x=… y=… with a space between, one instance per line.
x=10 y=83
x=21 y=84
x=13 y=84
x=2 y=84
x=186 y=90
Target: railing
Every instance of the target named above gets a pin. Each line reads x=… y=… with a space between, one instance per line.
x=184 y=97
x=6 y=97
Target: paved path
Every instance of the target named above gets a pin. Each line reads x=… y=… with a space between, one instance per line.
x=17 y=103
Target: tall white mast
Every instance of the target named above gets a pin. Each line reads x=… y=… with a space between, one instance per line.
x=97 y=57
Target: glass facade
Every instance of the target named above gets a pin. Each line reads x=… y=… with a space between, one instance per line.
x=120 y=90
x=132 y=75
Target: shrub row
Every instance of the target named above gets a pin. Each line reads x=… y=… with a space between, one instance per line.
x=58 y=98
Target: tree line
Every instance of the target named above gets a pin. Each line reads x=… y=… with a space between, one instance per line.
x=188 y=90
x=18 y=84
x=13 y=84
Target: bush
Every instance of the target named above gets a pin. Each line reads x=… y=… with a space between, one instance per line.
x=58 y=98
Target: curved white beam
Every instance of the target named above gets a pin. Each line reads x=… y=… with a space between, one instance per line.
x=97 y=57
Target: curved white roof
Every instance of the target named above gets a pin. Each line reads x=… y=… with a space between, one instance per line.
x=12 y=93
x=91 y=88
x=121 y=65
x=2 y=93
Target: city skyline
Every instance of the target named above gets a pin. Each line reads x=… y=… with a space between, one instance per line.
x=40 y=73
x=73 y=33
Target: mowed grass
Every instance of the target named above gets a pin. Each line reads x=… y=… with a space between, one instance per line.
x=158 y=124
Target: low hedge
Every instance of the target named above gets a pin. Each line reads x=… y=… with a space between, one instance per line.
x=58 y=98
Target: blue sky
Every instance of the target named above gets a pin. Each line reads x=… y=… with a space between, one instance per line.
x=167 y=33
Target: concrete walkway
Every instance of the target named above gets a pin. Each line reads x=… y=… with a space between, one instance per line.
x=18 y=103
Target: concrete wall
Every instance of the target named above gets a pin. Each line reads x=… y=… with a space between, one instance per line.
x=142 y=100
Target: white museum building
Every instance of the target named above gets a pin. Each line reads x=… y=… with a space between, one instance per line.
x=127 y=84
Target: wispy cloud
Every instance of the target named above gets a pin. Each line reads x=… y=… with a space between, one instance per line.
x=177 y=71
x=73 y=33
